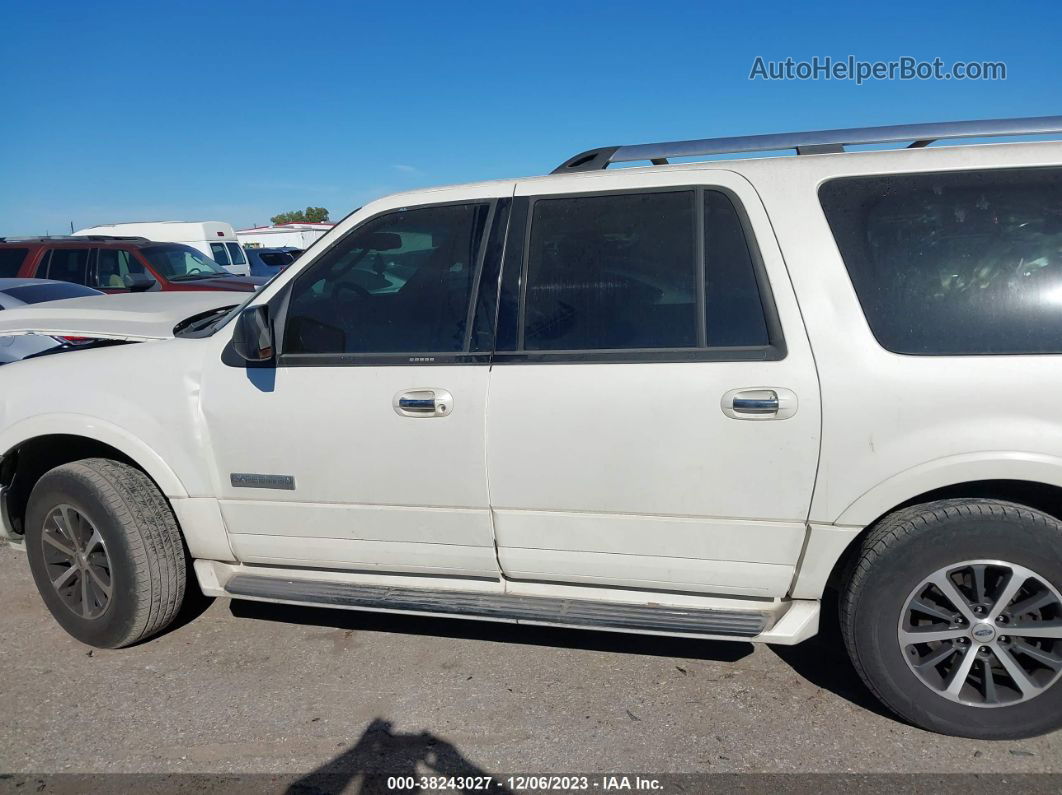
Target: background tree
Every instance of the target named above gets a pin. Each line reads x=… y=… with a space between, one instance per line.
x=311 y=215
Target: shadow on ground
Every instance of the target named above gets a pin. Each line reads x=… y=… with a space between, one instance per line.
x=824 y=661
x=495 y=632
x=381 y=755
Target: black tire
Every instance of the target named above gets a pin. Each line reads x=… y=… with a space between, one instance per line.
x=895 y=558
x=140 y=539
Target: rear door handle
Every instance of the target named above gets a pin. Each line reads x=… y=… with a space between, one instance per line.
x=759 y=403
x=425 y=402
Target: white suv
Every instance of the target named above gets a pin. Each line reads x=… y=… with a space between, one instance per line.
x=684 y=399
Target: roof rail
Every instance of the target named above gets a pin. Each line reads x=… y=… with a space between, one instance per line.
x=75 y=239
x=811 y=143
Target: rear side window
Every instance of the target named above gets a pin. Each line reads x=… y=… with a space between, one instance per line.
x=954 y=263
x=640 y=271
x=11 y=260
x=236 y=254
x=217 y=252
x=69 y=265
x=276 y=259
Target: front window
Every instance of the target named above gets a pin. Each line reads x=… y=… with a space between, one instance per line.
x=179 y=263
x=402 y=283
x=115 y=268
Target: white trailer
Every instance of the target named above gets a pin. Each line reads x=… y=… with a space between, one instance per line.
x=294 y=235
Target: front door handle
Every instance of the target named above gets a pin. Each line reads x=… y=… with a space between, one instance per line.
x=423 y=403
x=759 y=403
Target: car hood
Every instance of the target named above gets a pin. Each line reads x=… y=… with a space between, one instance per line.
x=235 y=283
x=124 y=316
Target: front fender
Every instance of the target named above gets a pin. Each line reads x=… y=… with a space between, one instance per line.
x=950 y=471
x=101 y=431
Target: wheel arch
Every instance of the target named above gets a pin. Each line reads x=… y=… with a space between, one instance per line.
x=1038 y=495
x=31 y=448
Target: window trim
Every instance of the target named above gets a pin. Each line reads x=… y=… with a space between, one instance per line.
x=427 y=358
x=775 y=350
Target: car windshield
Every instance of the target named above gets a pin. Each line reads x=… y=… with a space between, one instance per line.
x=36 y=293
x=178 y=263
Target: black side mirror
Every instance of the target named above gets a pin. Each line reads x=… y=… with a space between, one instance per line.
x=139 y=282
x=253 y=338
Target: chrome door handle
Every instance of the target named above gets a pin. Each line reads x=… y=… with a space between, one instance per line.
x=759 y=403
x=755 y=405
x=423 y=403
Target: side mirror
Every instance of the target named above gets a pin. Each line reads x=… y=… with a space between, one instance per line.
x=139 y=282
x=253 y=337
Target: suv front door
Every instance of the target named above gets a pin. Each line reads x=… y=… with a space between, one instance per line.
x=363 y=448
x=653 y=420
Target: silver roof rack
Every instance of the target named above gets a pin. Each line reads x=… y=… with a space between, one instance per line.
x=811 y=143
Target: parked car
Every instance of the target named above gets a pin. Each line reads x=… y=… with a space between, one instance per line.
x=269 y=262
x=117 y=264
x=701 y=394
x=16 y=293
x=214 y=239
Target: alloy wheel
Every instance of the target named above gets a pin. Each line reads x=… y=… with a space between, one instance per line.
x=984 y=633
x=76 y=562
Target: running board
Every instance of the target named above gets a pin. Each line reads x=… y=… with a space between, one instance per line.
x=503 y=607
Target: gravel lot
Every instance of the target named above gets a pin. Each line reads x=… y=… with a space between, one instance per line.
x=243 y=687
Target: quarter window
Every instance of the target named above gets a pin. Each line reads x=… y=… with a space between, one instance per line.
x=11 y=260
x=954 y=263
x=400 y=284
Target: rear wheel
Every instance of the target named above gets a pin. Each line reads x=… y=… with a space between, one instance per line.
x=105 y=552
x=953 y=617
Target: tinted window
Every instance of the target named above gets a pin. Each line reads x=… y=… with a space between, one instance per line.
x=217 y=251
x=276 y=259
x=113 y=266
x=37 y=293
x=176 y=263
x=608 y=272
x=733 y=305
x=956 y=263
x=10 y=261
x=399 y=284
x=236 y=254
x=69 y=265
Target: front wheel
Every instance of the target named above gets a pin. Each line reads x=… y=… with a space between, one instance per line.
x=105 y=552
x=953 y=617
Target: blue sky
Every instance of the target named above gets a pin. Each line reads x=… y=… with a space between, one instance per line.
x=235 y=111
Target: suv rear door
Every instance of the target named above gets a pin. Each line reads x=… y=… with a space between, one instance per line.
x=647 y=331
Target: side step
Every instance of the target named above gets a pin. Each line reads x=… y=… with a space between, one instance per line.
x=505 y=607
